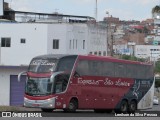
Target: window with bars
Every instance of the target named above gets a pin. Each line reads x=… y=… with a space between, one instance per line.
x=23 y=40
x=55 y=44
x=5 y=42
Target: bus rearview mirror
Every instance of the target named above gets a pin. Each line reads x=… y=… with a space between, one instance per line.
x=20 y=74
x=54 y=75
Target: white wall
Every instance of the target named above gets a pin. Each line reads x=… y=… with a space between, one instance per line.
x=67 y=33
x=147 y=51
x=5 y=83
x=71 y=38
x=39 y=40
x=97 y=39
x=56 y=31
x=18 y=53
x=76 y=33
x=1 y=7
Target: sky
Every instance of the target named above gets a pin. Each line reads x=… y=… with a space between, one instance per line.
x=123 y=9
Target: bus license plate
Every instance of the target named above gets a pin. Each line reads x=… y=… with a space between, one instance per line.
x=35 y=105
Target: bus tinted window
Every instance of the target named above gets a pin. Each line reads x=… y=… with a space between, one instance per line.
x=95 y=68
x=83 y=68
x=61 y=82
x=42 y=66
x=107 y=69
x=66 y=64
x=120 y=70
x=141 y=74
x=131 y=71
x=149 y=72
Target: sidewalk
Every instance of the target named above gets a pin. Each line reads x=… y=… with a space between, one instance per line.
x=28 y=109
x=17 y=108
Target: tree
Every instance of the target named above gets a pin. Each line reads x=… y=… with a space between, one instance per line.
x=156 y=9
x=157 y=67
x=133 y=58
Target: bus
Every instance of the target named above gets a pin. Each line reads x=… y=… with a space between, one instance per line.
x=102 y=84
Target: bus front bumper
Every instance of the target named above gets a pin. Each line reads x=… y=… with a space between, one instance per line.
x=48 y=103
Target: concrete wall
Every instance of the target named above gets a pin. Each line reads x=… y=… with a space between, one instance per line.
x=147 y=51
x=56 y=31
x=97 y=39
x=74 y=38
x=5 y=83
x=21 y=53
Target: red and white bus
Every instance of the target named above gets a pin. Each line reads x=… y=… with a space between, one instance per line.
x=72 y=82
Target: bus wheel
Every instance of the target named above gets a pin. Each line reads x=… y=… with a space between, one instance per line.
x=73 y=105
x=132 y=106
x=46 y=110
x=123 y=107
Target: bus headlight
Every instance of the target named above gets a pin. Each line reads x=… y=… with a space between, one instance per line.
x=25 y=99
x=48 y=99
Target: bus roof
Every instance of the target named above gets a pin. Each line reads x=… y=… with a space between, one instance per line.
x=52 y=56
x=91 y=57
x=112 y=59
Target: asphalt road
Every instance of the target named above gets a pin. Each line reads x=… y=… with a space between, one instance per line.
x=87 y=115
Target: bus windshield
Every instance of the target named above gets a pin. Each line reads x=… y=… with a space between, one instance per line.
x=39 y=86
x=42 y=66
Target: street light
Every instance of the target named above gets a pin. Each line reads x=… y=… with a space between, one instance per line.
x=107 y=34
x=111 y=34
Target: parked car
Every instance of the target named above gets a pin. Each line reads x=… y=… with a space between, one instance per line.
x=155 y=100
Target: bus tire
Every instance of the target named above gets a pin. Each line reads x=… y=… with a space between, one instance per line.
x=132 y=106
x=46 y=110
x=73 y=105
x=123 y=107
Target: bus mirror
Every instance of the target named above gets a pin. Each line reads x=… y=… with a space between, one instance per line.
x=20 y=74
x=76 y=74
x=54 y=75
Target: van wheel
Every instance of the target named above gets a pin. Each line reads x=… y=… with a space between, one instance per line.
x=123 y=107
x=73 y=105
x=132 y=106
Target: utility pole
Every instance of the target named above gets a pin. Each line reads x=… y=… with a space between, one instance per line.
x=96 y=11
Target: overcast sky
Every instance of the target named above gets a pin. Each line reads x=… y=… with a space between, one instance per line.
x=124 y=9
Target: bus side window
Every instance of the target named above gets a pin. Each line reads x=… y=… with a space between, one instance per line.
x=61 y=82
x=149 y=72
x=66 y=64
x=95 y=68
x=82 y=68
x=108 y=69
x=120 y=70
x=141 y=71
x=131 y=71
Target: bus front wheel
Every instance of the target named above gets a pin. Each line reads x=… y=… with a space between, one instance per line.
x=73 y=105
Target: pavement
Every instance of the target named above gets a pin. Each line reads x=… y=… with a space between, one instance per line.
x=21 y=108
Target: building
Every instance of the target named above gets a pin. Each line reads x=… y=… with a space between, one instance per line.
x=20 y=42
x=149 y=52
x=34 y=39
